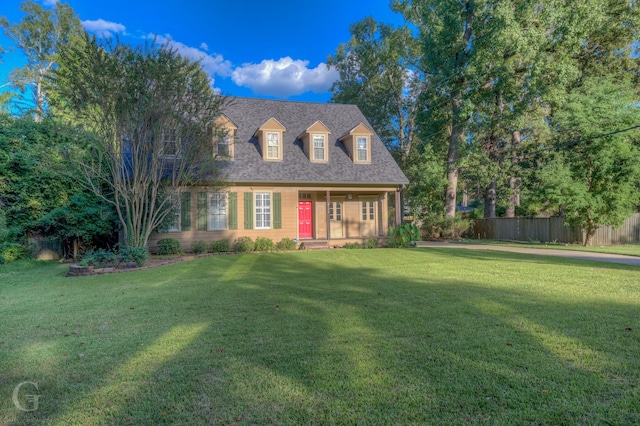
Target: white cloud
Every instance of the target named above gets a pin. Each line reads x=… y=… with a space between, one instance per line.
x=285 y=77
x=103 y=28
x=204 y=46
x=49 y=2
x=212 y=64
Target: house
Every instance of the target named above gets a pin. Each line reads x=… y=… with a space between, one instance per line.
x=306 y=171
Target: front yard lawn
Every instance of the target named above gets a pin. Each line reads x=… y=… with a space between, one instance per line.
x=631 y=249
x=386 y=336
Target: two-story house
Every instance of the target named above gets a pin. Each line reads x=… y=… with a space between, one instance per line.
x=307 y=171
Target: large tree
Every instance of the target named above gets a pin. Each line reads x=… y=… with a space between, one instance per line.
x=153 y=115
x=379 y=72
x=40 y=36
x=30 y=186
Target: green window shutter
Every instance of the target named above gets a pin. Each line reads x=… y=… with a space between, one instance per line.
x=277 y=210
x=233 y=210
x=185 y=212
x=202 y=211
x=248 y=210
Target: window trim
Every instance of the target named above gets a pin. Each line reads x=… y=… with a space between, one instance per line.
x=174 y=140
x=176 y=202
x=268 y=145
x=227 y=141
x=225 y=195
x=255 y=210
x=364 y=150
x=323 y=148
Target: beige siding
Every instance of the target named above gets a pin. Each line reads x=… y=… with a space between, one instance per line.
x=351 y=215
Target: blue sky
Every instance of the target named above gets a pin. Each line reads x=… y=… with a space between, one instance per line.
x=274 y=48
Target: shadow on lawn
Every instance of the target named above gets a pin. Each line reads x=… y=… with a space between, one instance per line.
x=331 y=339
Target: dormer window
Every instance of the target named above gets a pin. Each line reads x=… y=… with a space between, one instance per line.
x=363 y=152
x=224 y=137
x=270 y=139
x=319 y=146
x=273 y=146
x=315 y=141
x=223 y=146
x=358 y=144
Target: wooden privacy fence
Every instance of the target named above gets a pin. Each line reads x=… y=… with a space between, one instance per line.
x=553 y=229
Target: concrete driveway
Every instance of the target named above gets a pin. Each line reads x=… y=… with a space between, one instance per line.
x=571 y=254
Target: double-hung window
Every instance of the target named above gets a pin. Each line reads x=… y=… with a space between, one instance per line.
x=217 y=211
x=318 y=147
x=273 y=145
x=174 y=214
x=263 y=210
x=224 y=145
x=362 y=148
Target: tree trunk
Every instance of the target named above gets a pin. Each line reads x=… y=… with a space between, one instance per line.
x=490 y=201
x=457 y=137
x=514 y=198
x=592 y=227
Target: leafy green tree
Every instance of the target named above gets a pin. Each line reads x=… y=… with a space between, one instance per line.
x=596 y=175
x=30 y=186
x=153 y=115
x=41 y=35
x=379 y=72
x=85 y=222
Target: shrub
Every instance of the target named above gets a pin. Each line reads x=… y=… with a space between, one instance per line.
x=137 y=255
x=265 y=244
x=446 y=227
x=370 y=243
x=402 y=235
x=169 y=246
x=220 y=246
x=99 y=259
x=392 y=243
x=243 y=245
x=10 y=252
x=286 y=244
x=199 y=247
x=352 y=246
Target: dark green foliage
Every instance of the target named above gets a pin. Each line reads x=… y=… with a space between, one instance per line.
x=264 y=244
x=30 y=184
x=137 y=256
x=446 y=227
x=370 y=243
x=286 y=244
x=220 y=246
x=169 y=246
x=352 y=246
x=10 y=252
x=99 y=259
x=243 y=245
x=85 y=218
x=199 y=247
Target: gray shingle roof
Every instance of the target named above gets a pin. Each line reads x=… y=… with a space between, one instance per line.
x=247 y=166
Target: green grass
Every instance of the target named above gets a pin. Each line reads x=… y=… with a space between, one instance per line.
x=387 y=336
x=625 y=249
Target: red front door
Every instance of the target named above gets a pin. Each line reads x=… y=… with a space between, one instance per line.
x=305 y=219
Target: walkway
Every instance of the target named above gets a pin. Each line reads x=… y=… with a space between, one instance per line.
x=571 y=254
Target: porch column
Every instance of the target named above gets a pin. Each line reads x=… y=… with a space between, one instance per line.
x=398 y=209
x=328 y=195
